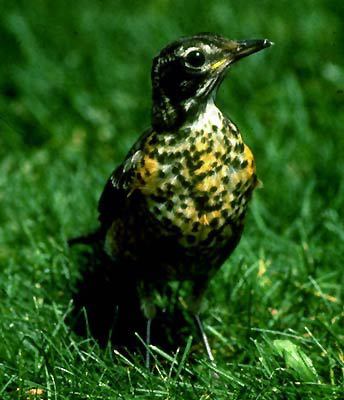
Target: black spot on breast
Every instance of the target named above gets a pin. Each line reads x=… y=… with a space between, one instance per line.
x=235 y=163
x=186 y=218
x=197 y=155
x=217 y=198
x=169 y=205
x=201 y=201
x=224 y=157
x=226 y=179
x=238 y=186
x=175 y=170
x=172 y=141
x=181 y=178
x=195 y=166
x=200 y=177
x=214 y=222
x=244 y=164
x=234 y=203
x=215 y=207
x=187 y=156
x=239 y=147
x=230 y=128
x=140 y=179
x=161 y=157
x=188 y=184
x=195 y=227
x=156 y=210
x=153 y=140
x=179 y=214
x=227 y=143
x=158 y=199
x=212 y=234
x=161 y=174
x=225 y=214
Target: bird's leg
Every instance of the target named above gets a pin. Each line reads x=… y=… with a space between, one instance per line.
x=204 y=338
x=149 y=311
x=195 y=302
x=148 y=341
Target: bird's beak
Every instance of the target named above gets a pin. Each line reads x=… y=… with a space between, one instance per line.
x=234 y=50
x=243 y=48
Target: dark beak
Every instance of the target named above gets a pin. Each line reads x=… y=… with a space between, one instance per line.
x=243 y=48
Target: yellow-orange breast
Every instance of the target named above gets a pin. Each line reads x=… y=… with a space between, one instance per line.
x=197 y=181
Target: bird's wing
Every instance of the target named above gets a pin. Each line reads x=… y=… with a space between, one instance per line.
x=120 y=184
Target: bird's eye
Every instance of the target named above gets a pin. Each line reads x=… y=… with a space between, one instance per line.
x=195 y=59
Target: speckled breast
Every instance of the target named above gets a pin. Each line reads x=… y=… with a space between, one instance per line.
x=197 y=181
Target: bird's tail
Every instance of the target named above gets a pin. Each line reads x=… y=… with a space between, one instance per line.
x=89 y=239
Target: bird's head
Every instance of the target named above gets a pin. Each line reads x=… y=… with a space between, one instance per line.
x=186 y=73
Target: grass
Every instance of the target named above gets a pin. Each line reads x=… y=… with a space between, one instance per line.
x=74 y=95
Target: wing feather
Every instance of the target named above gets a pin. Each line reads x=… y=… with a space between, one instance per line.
x=120 y=184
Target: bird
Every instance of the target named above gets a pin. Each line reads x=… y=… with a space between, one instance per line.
x=174 y=209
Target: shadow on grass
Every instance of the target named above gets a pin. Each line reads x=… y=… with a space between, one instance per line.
x=107 y=307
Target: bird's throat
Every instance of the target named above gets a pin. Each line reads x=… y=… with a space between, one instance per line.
x=168 y=115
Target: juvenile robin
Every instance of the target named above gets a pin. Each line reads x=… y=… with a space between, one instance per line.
x=174 y=209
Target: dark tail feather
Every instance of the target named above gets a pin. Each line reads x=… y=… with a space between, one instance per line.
x=88 y=239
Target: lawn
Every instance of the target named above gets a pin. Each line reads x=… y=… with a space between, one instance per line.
x=74 y=95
